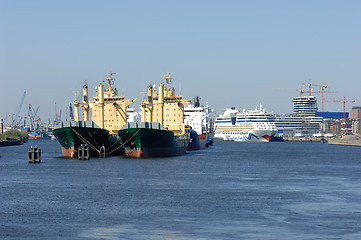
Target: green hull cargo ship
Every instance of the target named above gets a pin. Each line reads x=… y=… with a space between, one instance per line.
x=108 y=115
x=151 y=139
x=72 y=134
x=162 y=131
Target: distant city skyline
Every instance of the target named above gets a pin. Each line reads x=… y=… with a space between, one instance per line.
x=230 y=53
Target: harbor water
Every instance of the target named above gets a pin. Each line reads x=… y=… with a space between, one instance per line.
x=277 y=190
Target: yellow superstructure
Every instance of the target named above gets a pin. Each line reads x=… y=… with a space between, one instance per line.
x=165 y=107
x=108 y=109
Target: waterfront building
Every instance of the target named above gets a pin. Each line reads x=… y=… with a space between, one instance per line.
x=355 y=113
x=346 y=127
x=305 y=106
x=330 y=125
x=332 y=115
x=289 y=126
x=356 y=127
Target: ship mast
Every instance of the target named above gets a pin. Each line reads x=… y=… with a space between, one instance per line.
x=167 y=78
x=109 y=78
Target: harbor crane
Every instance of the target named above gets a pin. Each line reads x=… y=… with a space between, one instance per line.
x=33 y=117
x=16 y=120
x=6 y=118
x=344 y=105
x=57 y=117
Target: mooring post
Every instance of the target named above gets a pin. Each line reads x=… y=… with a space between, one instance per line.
x=83 y=152
x=34 y=155
x=86 y=153
x=102 y=152
x=80 y=152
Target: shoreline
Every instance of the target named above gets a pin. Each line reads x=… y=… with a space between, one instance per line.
x=10 y=143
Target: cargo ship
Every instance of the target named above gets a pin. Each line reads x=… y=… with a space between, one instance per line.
x=198 y=118
x=109 y=114
x=162 y=132
x=72 y=134
x=151 y=139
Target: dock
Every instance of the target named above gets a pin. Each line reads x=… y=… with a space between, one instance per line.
x=348 y=140
x=305 y=139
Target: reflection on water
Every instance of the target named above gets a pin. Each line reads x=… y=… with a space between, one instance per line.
x=131 y=232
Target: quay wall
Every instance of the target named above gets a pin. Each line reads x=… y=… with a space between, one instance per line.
x=355 y=141
x=304 y=139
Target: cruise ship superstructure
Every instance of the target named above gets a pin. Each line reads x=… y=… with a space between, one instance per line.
x=249 y=125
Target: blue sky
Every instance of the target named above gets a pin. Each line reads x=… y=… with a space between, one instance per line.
x=230 y=53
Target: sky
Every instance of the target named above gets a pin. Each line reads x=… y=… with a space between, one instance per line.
x=229 y=53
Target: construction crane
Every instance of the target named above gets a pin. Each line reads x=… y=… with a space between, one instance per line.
x=323 y=87
x=300 y=90
x=309 y=90
x=344 y=105
x=15 y=120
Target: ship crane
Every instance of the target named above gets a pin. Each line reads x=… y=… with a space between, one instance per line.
x=344 y=105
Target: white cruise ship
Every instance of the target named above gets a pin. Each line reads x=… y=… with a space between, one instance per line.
x=250 y=125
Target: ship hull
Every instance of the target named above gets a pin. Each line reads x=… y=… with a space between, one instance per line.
x=148 y=142
x=252 y=136
x=197 y=142
x=210 y=137
x=71 y=138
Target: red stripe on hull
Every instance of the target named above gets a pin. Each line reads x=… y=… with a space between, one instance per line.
x=203 y=136
x=133 y=153
x=68 y=152
x=267 y=137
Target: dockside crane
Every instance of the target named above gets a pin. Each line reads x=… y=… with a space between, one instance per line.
x=16 y=120
x=6 y=118
x=56 y=116
x=33 y=117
